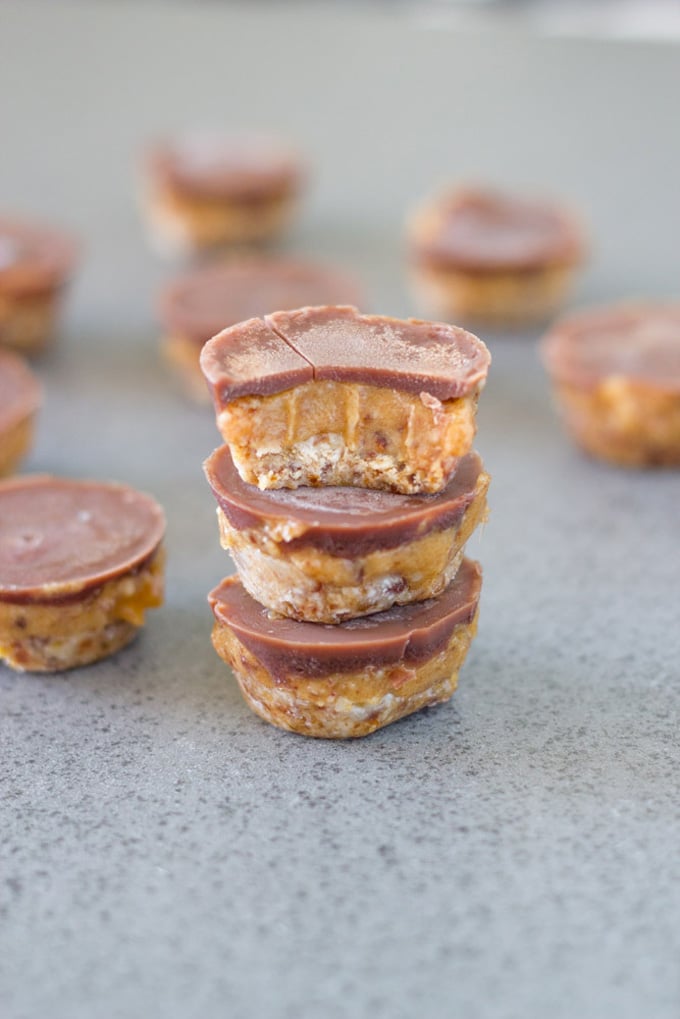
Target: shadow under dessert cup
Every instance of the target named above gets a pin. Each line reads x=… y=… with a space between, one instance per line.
x=615 y=374
x=206 y=191
x=328 y=396
x=20 y=399
x=347 y=680
x=36 y=263
x=80 y=563
x=329 y=554
x=202 y=303
x=483 y=256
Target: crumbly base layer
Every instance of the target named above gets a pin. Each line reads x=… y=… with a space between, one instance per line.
x=182 y=354
x=345 y=705
x=53 y=636
x=342 y=433
x=27 y=323
x=625 y=422
x=501 y=299
x=182 y=224
x=15 y=443
x=307 y=583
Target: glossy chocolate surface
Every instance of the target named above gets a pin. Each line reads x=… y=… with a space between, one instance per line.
x=341 y=521
x=638 y=342
x=212 y=166
x=204 y=302
x=33 y=259
x=410 y=634
x=59 y=537
x=489 y=231
x=20 y=391
x=339 y=343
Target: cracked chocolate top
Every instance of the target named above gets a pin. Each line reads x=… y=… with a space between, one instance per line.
x=637 y=342
x=204 y=302
x=211 y=166
x=409 y=634
x=339 y=343
x=59 y=538
x=20 y=391
x=33 y=258
x=342 y=521
x=487 y=231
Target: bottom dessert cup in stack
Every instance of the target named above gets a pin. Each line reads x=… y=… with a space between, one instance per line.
x=343 y=681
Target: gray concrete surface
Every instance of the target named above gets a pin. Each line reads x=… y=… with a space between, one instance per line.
x=511 y=854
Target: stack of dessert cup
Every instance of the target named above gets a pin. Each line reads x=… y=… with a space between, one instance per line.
x=347 y=488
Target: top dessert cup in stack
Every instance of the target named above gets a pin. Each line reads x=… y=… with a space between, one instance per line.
x=203 y=191
x=328 y=396
x=484 y=256
x=36 y=263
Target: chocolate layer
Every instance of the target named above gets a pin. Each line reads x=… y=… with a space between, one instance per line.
x=213 y=167
x=341 y=521
x=202 y=303
x=337 y=342
x=638 y=342
x=488 y=231
x=33 y=258
x=59 y=537
x=409 y=634
x=20 y=391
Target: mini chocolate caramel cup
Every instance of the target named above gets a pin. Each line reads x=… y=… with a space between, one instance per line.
x=337 y=682
x=615 y=374
x=328 y=396
x=80 y=563
x=324 y=555
x=484 y=256
x=200 y=304
x=36 y=263
x=208 y=191
x=20 y=399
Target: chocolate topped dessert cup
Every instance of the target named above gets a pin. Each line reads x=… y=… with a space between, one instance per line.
x=36 y=263
x=345 y=681
x=202 y=303
x=206 y=191
x=80 y=563
x=330 y=554
x=20 y=399
x=616 y=378
x=327 y=396
x=482 y=256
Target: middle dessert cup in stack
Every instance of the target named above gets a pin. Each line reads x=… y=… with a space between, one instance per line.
x=347 y=489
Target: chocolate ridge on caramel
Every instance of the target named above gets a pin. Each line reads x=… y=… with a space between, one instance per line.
x=20 y=391
x=488 y=231
x=637 y=341
x=60 y=538
x=341 y=521
x=409 y=634
x=33 y=258
x=201 y=303
x=337 y=342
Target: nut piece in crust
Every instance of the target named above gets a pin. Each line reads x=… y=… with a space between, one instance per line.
x=36 y=263
x=200 y=304
x=327 y=396
x=20 y=398
x=329 y=554
x=337 y=682
x=207 y=191
x=616 y=379
x=482 y=256
x=80 y=563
